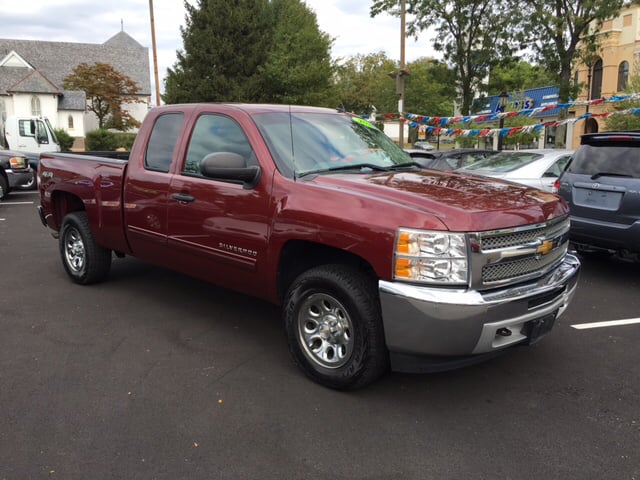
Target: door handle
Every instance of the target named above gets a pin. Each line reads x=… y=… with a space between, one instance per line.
x=182 y=197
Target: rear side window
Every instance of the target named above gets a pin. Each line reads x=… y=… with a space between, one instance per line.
x=163 y=141
x=614 y=159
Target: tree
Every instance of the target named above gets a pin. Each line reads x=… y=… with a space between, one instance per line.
x=250 y=51
x=553 y=30
x=298 y=67
x=107 y=90
x=515 y=74
x=428 y=89
x=224 y=44
x=626 y=122
x=362 y=83
x=472 y=34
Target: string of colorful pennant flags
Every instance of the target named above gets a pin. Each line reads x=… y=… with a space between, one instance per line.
x=436 y=125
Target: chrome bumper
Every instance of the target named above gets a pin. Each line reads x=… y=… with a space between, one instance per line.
x=442 y=322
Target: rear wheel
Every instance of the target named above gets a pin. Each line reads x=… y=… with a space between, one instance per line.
x=334 y=327
x=84 y=260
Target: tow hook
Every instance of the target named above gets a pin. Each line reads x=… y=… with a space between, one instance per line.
x=504 y=332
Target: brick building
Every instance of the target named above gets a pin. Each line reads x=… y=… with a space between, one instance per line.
x=607 y=73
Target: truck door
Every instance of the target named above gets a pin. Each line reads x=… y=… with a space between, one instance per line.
x=21 y=135
x=217 y=229
x=146 y=190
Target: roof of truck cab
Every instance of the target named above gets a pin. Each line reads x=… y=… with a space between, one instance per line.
x=253 y=108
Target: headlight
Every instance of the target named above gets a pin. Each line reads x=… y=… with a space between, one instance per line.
x=18 y=163
x=431 y=257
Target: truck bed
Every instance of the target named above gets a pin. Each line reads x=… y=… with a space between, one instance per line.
x=97 y=182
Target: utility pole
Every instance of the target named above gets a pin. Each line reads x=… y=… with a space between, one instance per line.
x=155 y=55
x=401 y=75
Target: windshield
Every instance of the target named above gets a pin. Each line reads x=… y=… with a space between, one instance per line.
x=53 y=135
x=503 y=162
x=304 y=143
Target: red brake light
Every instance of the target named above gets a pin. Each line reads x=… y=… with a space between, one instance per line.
x=556 y=186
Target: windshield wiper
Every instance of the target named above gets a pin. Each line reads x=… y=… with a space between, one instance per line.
x=609 y=174
x=358 y=166
x=398 y=166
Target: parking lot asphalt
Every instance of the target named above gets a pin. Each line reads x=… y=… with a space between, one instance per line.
x=154 y=375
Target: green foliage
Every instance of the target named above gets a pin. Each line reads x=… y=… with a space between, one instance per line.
x=298 y=67
x=515 y=74
x=106 y=140
x=553 y=30
x=626 y=122
x=428 y=89
x=100 y=140
x=251 y=51
x=362 y=82
x=66 y=140
x=471 y=34
x=125 y=140
x=107 y=90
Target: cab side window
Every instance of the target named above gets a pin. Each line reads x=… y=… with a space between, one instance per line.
x=214 y=134
x=163 y=141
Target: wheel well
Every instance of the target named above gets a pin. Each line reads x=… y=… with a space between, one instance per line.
x=298 y=256
x=64 y=203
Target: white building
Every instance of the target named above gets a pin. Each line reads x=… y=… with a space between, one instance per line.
x=32 y=73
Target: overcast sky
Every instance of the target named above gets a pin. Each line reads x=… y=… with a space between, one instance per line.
x=92 y=21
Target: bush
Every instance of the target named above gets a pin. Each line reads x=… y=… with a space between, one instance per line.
x=101 y=140
x=106 y=140
x=66 y=140
x=125 y=140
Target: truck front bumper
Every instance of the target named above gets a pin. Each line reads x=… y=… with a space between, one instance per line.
x=19 y=177
x=431 y=329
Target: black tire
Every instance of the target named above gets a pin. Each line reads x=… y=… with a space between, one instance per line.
x=334 y=327
x=84 y=260
x=4 y=187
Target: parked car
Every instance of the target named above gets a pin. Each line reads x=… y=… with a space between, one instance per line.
x=536 y=168
x=423 y=145
x=450 y=159
x=15 y=171
x=602 y=186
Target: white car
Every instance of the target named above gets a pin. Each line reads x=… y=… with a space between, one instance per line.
x=536 y=168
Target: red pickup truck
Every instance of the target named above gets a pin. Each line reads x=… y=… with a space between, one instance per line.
x=375 y=262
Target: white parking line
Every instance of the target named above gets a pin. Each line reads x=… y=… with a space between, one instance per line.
x=17 y=203
x=613 y=323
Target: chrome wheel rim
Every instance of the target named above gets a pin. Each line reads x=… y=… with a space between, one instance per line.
x=74 y=252
x=325 y=331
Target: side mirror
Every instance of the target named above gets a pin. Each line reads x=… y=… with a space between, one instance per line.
x=230 y=166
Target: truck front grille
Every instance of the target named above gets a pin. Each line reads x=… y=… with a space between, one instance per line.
x=510 y=256
x=518 y=268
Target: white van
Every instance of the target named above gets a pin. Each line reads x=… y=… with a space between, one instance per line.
x=30 y=135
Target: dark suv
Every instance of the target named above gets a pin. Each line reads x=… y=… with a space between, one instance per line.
x=602 y=186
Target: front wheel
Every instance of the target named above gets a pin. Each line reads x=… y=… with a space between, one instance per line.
x=84 y=260
x=334 y=327
x=4 y=187
x=29 y=184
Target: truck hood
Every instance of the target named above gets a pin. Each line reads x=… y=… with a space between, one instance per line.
x=460 y=202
